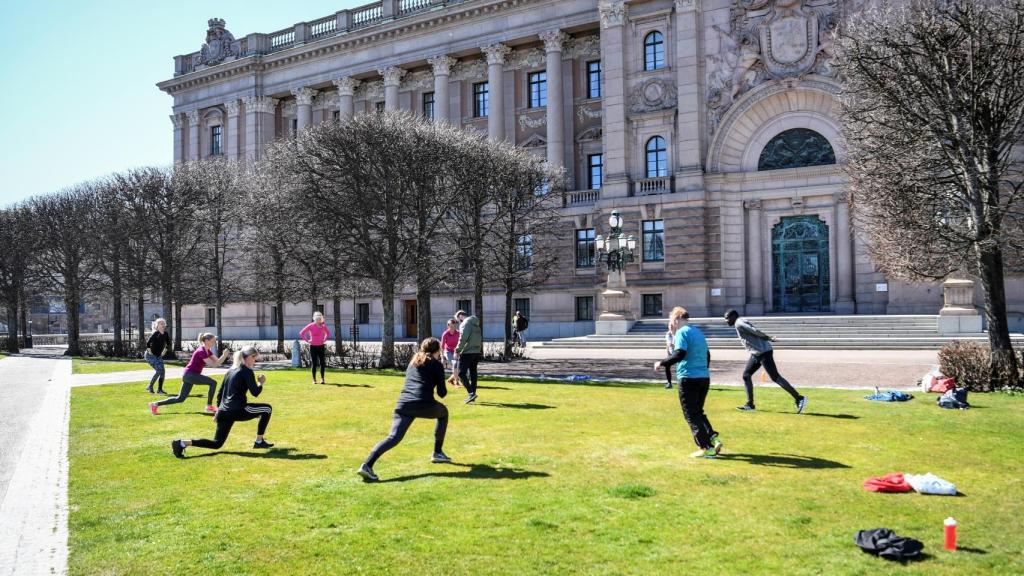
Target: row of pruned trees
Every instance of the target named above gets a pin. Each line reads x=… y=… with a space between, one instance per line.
x=380 y=204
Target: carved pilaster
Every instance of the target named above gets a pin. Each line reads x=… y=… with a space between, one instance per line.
x=260 y=104
x=686 y=5
x=232 y=107
x=176 y=120
x=613 y=13
x=193 y=117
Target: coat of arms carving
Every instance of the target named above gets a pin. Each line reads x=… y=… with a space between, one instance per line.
x=219 y=44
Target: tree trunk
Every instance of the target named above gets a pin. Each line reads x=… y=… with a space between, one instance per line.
x=177 y=326
x=220 y=321
x=166 y=301
x=423 y=328
x=336 y=303
x=140 y=303
x=12 y=324
x=508 y=321
x=23 y=320
x=1003 y=370
x=118 y=322
x=280 y=323
x=72 y=298
x=478 y=293
x=387 y=345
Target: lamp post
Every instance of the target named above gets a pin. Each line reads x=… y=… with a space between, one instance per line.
x=616 y=251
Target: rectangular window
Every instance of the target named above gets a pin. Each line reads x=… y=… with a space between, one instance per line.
x=585 y=248
x=651 y=305
x=319 y=308
x=215 y=141
x=524 y=251
x=654 y=240
x=274 y=312
x=538 y=83
x=378 y=106
x=584 y=308
x=211 y=316
x=464 y=305
x=595 y=171
x=481 y=100
x=521 y=305
x=295 y=126
x=336 y=115
x=428 y=105
x=363 y=313
x=594 y=79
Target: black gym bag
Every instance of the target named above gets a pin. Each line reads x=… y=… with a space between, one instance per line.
x=885 y=543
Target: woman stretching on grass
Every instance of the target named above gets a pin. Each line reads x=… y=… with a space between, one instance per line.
x=316 y=335
x=233 y=406
x=424 y=374
x=202 y=357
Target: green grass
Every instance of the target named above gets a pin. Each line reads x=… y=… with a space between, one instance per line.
x=93 y=366
x=549 y=479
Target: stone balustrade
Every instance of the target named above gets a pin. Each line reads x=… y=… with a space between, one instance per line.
x=584 y=197
x=645 y=186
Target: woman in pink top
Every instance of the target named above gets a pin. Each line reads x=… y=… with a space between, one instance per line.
x=316 y=334
x=449 y=340
x=203 y=356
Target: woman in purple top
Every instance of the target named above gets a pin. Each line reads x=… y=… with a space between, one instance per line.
x=316 y=335
x=202 y=357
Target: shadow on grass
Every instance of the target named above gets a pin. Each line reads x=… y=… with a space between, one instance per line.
x=273 y=453
x=970 y=550
x=784 y=461
x=347 y=385
x=816 y=414
x=476 y=472
x=523 y=406
x=482 y=387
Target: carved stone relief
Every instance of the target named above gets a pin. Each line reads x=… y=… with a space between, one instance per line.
x=219 y=44
x=652 y=94
x=586 y=112
x=469 y=70
x=526 y=122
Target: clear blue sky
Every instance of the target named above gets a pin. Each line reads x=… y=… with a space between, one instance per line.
x=77 y=80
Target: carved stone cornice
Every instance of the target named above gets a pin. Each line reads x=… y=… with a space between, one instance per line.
x=392 y=75
x=496 y=53
x=752 y=204
x=177 y=120
x=554 y=40
x=232 y=107
x=193 y=117
x=442 y=64
x=613 y=13
x=260 y=104
x=347 y=85
x=304 y=96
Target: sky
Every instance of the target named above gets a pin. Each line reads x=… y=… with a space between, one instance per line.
x=78 y=95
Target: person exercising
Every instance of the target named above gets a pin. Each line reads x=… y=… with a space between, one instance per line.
x=759 y=345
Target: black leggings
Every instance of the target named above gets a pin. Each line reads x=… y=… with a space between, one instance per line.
x=225 y=420
x=767 y=360
x=668 y=375
x=467 y=371
x=692 y=394
x=400 y=425
x=318 y=355
x=188 y=380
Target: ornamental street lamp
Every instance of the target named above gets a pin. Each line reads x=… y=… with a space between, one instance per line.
x=615 y=250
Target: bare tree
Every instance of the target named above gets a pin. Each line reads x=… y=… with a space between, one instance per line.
x=107 y=249
x=63 y=223
x=933 y=111
x=16 y=235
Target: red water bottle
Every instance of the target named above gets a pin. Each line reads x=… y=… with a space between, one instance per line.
x=950 y=525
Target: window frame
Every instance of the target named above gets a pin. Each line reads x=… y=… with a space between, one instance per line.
x=590 y=170
x=588 y=310
x=211 y=317
x=657 y=231
x=216 y=143
x=586 y=242
x=464 y=304
x=654 y=51
x=481 y=99
x=660 y=162
x=593 y=85
x=363 y=313
x=274 y=315
x=644 y=310
x=427 y=105
x=517 y=305
x=524 y=251
x=537 y=98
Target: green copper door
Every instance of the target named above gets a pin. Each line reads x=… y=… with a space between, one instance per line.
x=800 y=270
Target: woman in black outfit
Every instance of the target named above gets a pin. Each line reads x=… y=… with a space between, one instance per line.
x=233 y=406
x=424 y=374
x=158 y=341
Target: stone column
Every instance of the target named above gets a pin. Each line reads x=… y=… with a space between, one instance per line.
x=179 y=140
x=392 y=79
x=844 y=260
x=553 y=42
x=496 y=54
x=346 y=96
x=304 y=102
x=442 y=70
x=193 y=134
x=259 y=124
x=689 y=175
x=613 y=98
x=231 y=144
x=755 y=265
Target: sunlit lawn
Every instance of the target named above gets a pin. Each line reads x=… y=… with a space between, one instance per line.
x=549 y=479
x=105 y=366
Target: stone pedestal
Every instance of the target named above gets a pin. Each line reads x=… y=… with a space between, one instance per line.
x=616 y=307
x=958 y=314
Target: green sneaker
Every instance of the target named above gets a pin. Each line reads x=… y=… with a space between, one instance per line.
x=716 y=444
x=702 y=453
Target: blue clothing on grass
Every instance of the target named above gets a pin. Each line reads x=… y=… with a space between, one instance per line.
x=695 y=365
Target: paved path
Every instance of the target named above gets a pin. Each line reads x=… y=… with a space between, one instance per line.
x=34 y=415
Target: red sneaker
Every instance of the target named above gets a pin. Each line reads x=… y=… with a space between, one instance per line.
x=152 y=408
x=211 y=409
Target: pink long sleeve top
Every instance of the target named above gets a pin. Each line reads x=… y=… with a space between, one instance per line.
x=315 y=334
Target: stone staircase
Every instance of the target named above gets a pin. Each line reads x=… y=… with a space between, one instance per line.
x=808 y=332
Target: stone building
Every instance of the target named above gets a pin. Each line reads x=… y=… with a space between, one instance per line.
x=710 y=126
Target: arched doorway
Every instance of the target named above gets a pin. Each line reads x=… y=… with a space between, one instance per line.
x=800 y=267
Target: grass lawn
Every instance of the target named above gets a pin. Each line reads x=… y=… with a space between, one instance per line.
x=94 y=366
x=549 y=479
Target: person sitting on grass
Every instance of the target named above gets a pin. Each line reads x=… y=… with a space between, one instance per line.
x=233 y=405
x=424 y=374
x=203 y=356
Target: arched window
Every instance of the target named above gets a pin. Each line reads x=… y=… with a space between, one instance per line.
x=657 y=158
x=654 y=51
x=795 y=148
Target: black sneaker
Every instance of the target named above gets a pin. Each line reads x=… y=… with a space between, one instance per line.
x=150 y=389
x=668 y=386
x=367 y=473
x=746 y=408
x=262 y=444
x=801 y=403
x=177 y=448
x=471 y=398
x=440 y=458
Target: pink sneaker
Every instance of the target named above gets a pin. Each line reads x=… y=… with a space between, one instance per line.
x=211 y=409
x=152 y=408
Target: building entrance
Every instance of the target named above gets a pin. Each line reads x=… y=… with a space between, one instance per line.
x=800 y=267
